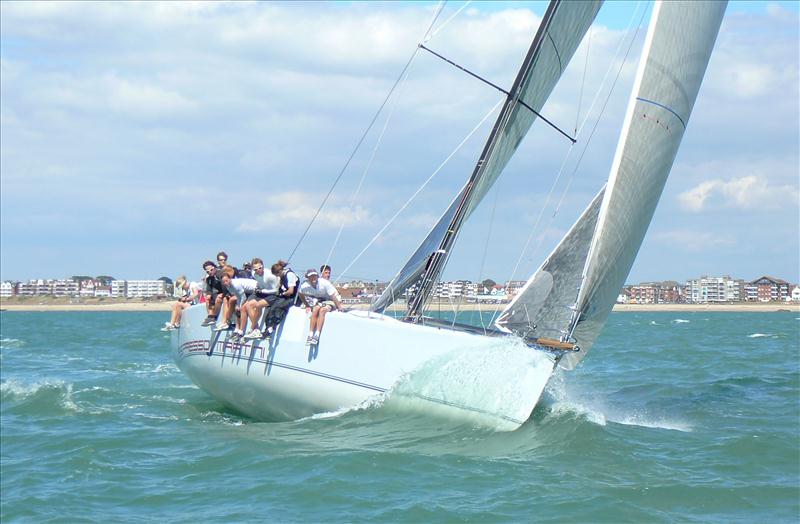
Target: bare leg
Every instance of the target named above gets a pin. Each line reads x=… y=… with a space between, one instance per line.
x=321 y=320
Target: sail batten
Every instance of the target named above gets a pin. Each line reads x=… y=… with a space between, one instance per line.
x=563 y=27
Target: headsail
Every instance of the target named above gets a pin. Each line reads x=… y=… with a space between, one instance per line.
x=562 y=28
x=543 y=308
x=678 y=46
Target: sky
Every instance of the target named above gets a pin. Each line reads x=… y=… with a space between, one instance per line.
x=138 y=139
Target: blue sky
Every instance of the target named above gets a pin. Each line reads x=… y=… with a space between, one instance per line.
x=138 y=139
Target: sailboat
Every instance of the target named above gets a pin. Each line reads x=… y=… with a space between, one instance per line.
x=553 y=321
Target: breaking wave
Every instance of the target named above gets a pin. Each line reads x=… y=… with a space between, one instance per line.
x=561 y=401
x=759 y=335
x=45 y=392
x=680 y=321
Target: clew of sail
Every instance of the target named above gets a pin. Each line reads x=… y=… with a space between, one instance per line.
x=544 y=307
x=562 y=28
x=677 y=49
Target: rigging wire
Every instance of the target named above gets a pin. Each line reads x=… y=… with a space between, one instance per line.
x=597 y=122
x=583 y=80
x=366 y=131
x=368 y=166
x=424 y=184
x=441 y=26
x=580 y=129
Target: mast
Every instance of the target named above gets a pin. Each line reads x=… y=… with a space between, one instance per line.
x=576 y=17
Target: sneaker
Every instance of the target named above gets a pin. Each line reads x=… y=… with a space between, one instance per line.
x=314 y=341
x=238 y=332
x=167 y=328
x=236 y=337
x=253 y=334
x=222 y=327
x=208 y=321
x=309 y=340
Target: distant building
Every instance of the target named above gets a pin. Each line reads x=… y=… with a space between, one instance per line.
x=767 y=289
x=117 y=288
x=667 y=292
x=145 y=288
x=713 y=290
x=796 y=294
x=7 y=289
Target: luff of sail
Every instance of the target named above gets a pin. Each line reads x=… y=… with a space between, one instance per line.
x=544 y=307
x=563 y=27
x=677 y=49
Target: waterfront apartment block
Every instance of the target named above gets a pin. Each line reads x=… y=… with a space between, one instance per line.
x=768 y=289
x=85 y=288
x=708 y=290
x=667 y=292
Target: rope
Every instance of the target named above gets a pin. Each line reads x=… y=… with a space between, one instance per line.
x=366 y=131
x=586 y=143
x=367 y=168
x=583 y=80
x=424 y=184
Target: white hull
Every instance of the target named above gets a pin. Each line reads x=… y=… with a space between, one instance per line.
x=360 y=355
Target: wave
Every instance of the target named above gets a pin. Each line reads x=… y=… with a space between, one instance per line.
x=654 y=323
x=760 y=335
x=11 y=343
x=563 y=402
x=48 y=392
x=680 y=321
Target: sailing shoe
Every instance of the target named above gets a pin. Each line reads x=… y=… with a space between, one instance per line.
x=253 y=334
x=167 y=328
x=209 y=321
x=222 y=327
x=310 y=340
x=236 y=337
x=238 y=332
x=314 y=341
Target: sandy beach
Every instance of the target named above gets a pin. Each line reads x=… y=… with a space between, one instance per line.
x=39 y=304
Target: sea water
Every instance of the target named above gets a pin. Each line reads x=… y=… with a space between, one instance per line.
x=672 y=417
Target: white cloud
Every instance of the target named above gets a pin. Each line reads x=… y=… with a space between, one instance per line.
x=696 y=241
x=747 y=192
x=294 y=210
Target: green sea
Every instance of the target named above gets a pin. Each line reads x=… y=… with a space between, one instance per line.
x=672 y=417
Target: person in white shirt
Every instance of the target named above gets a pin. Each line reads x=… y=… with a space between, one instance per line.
x=239 y=289
x=320 y=297
x=190 y=295
x=266 y=292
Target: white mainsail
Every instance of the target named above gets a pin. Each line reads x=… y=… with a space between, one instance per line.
x=562 y=29
x=677 y=49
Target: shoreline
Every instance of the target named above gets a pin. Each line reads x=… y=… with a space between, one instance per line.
x=165 y=306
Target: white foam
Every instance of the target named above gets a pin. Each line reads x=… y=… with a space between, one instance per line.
x=495 y=384
x=660 y=423
x=680 y=321
x=758 y=335
x=10 y=343
x=24 y=391
x=594 y=410
x=654 y=323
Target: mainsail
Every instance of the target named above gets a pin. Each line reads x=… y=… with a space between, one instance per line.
x=544 y=307
x=678 y=46
x=562 y=28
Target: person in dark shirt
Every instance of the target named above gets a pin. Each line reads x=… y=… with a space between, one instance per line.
x=214 y=292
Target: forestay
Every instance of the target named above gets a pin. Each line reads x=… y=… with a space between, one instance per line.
x=678 y=46
x=544 y=307
x=562 y=29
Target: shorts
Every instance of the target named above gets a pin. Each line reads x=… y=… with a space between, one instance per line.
x=330 y=304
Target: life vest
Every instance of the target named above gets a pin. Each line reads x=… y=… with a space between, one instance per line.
x=285 y=283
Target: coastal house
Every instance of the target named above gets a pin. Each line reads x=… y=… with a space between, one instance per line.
x=7 y=289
